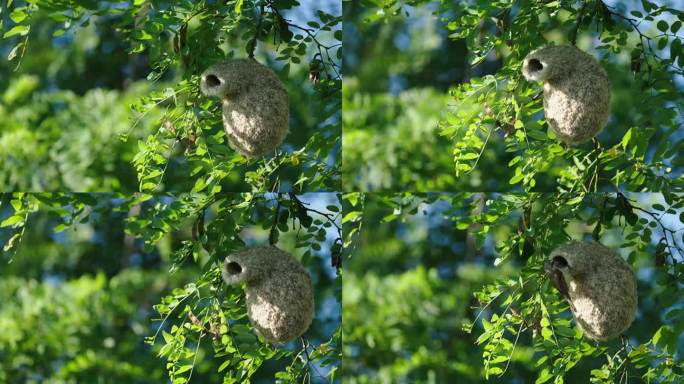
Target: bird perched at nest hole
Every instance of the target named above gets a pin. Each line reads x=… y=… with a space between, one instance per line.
x=598 y=284
x=576 y=91
x=278 y=290
x=255 y=104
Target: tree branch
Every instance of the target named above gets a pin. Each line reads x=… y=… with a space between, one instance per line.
x=252 y=45
x=273 y=235
x=580 y=17
x=320 y=47
x=336 y=249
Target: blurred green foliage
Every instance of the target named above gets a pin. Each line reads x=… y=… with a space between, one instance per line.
x=63 y=141
x=397 y=73
x=97 y=96
x=446 y=287
x=77 y=330
x=491 y=122
x=108 y=288
x=382 y=132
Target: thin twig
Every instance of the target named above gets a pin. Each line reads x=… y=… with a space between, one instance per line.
x=273 y=235
x=328 y=216
x=252 y=48
x=644 y=39
x=313 y=34
x=672 y=247
x=580 y=16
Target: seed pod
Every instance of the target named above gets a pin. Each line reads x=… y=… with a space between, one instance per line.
x=576 y=91
x=279 y=294
x=599 y=285
x=255 y=104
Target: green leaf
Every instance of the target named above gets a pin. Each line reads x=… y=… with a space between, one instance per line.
x=496 y=371
x=14 y=51
x=544 y=376
x=18 y=15
x=601 y=373
x=168 y=338
x=59 y=228
x=11 y=242
x=283 y=376
x=517 y=177
x=200 y=184
x=656 y=336
x=626 y=138
x=648 y=6
x=351 y=216
x=12 y=220
x=183 y=369
x=662 y=26
x=238 y=6
x=21 y=30
x=662 y=42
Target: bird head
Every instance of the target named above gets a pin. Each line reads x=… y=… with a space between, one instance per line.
x=569 y=261
x=557 y=263
x=558 y=271
x=565 y=266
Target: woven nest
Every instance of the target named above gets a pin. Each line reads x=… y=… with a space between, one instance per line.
x=255 y=104
x=601 y=287
x=279 y=294
x=576 y=91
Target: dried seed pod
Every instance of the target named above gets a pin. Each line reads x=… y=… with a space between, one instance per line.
x=279 y=294
x=255 y=104
x=599 y=285
x=576 y=91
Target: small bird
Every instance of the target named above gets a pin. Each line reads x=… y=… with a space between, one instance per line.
x=598 y=284
x=553 y=270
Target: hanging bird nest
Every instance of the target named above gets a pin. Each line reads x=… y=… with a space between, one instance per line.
x=576 y=91
x=279 y=294
x=599 y=285
x=255 y=104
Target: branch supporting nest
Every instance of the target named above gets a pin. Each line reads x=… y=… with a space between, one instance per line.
x=273 y=235
x=252 y=46
x=580 y=17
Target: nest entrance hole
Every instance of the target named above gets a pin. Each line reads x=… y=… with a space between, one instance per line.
x=535 y=65
x=213 y=81
x=233 y=268
x=559 y=262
